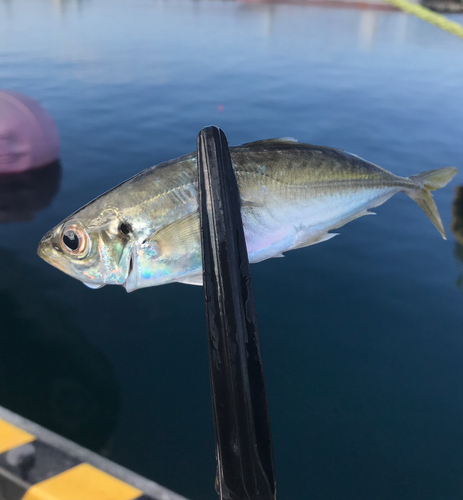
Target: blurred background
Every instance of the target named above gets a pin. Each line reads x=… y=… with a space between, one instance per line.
x=362 y=336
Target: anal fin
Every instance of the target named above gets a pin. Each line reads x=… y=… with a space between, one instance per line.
x=312 y=240
x=357 y=215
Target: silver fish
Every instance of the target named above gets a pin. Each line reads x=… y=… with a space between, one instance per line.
x=145 y=232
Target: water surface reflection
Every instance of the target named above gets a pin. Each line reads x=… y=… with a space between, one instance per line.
x=49 y=372
x=23 y=194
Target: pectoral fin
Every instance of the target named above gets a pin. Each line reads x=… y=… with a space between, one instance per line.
x=181 y=236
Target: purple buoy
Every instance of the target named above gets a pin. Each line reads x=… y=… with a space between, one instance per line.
x=28 y=135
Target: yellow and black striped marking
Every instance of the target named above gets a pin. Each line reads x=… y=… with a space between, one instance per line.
x=32 y=469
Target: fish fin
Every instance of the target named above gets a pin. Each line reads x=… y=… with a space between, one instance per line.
x=181 y=234
x=94 y=286
x=430 y=181
x=268 y=142
x=195 y=279
x=317 y=239
x=434 y=179
x=277 y=256
x=285 y=139
x=424 y=200
x=357 y=216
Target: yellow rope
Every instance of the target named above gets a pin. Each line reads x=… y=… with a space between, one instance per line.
x=428 y=15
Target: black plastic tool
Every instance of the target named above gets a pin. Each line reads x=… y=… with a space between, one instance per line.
x=245 y=469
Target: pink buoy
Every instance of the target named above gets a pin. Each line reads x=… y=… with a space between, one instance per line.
x=28 y=135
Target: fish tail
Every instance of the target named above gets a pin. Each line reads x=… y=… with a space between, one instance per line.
x=427 y=182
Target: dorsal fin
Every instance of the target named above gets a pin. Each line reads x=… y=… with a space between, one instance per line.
x=283 y=141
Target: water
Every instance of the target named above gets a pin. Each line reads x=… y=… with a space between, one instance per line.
x=362 y=336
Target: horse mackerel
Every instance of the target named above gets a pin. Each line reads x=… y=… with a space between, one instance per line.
x=145 y=231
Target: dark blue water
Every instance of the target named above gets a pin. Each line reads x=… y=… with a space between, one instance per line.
x=362 y=336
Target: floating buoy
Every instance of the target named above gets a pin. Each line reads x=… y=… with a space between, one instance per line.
x=28 y=135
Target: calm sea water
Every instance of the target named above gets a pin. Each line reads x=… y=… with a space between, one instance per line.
x=362 y=336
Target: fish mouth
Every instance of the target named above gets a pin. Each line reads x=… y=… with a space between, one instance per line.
x=48 y=251
x=45 y=244
x=42 y=253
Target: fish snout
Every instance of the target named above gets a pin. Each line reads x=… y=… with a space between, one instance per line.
x=48 y=246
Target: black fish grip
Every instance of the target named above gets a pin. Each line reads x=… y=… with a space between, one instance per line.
x=244 y=450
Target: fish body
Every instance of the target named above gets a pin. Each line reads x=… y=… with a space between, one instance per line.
x=145 y=232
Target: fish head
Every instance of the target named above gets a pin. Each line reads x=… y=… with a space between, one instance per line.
x=93 y=248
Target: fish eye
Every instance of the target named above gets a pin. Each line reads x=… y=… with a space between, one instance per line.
x=125 y=228
x=74 y=241
x=71 y=240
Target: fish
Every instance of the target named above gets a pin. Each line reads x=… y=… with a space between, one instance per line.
x=146 y=231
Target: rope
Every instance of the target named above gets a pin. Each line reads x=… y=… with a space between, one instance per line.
x=428 y=16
